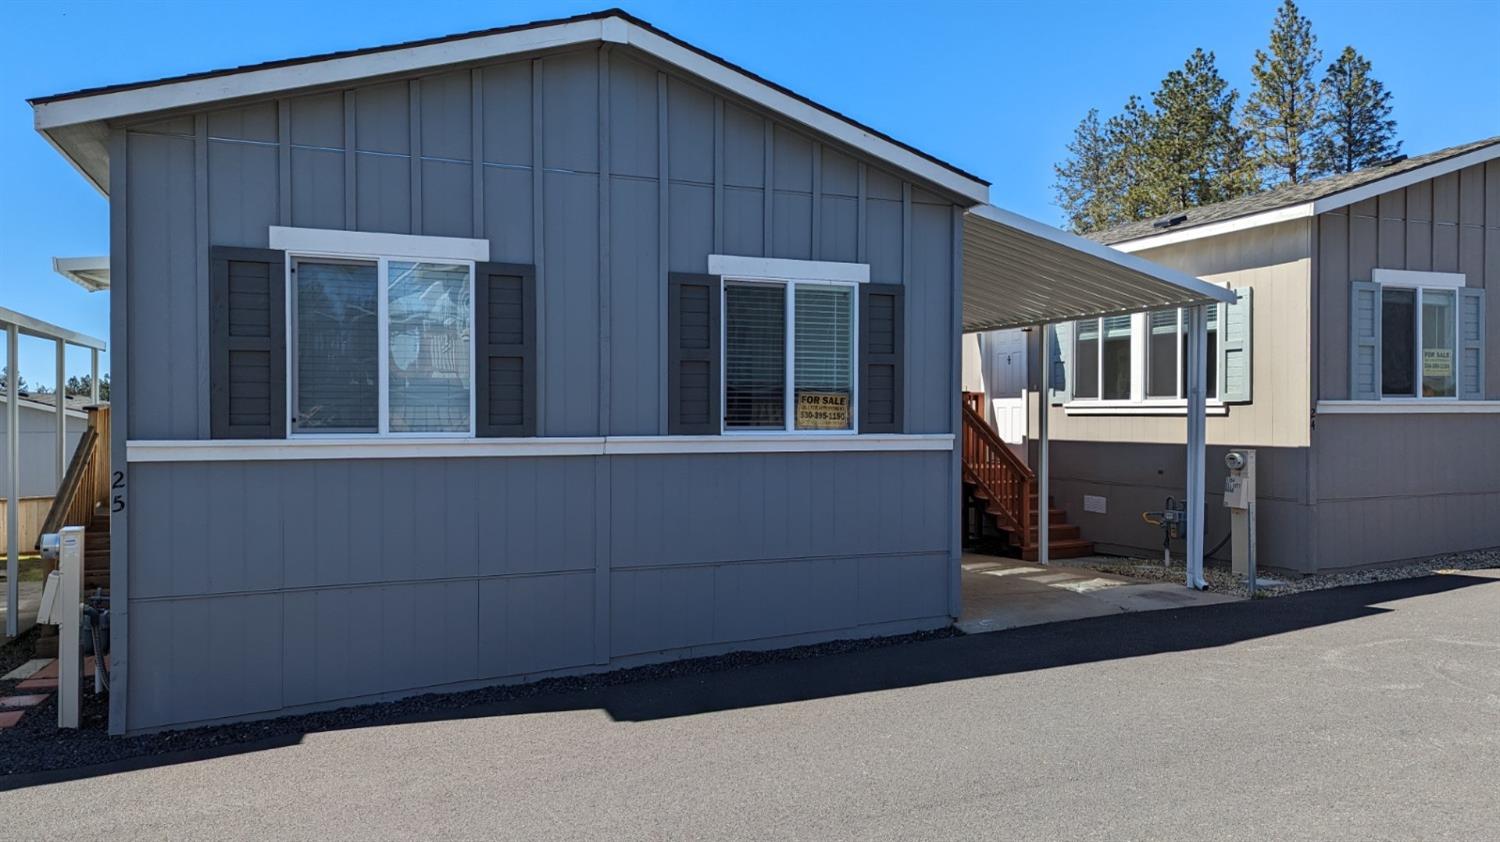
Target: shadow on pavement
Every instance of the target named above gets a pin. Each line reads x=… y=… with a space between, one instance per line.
x=720 y=684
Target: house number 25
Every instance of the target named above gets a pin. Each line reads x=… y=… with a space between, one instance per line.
x=117 y=503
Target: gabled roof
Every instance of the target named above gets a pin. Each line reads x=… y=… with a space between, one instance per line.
x=1293 y=201
x=75 y=122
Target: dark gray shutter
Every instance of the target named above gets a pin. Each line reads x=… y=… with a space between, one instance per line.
x=1235 y=333
x=505 y=374
x=1059 y=379
x=882 y=358
x=1364 y=341
x=693 y=354
x=247 y=343
x=1471 y=344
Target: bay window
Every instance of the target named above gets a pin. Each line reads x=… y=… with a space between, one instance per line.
x=789 y=356
x=381 y=346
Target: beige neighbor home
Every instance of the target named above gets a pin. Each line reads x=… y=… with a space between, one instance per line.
x=1362 y=363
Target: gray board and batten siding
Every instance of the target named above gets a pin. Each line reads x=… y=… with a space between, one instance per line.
x=1395 y=486
x=258 y=587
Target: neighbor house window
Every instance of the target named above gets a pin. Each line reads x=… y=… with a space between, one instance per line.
x=1419 y=342
x=1106 y=352
x=788 y=356
x=382 y=346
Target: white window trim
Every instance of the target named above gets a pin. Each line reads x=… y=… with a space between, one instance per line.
x=1418 y=281
x=785 y=269
x=789 y=285
x=1154 y=406
x=374 y=447
x=382 y=282
x=1409 y=406
x=1140 y=326
x=366 y=244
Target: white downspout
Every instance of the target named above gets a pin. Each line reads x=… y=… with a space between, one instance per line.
x=1043 y=459
x=1197 y=386
x=13 y=469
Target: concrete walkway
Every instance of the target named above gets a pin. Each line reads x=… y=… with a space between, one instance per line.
x=31 y=598
x=1001 y=593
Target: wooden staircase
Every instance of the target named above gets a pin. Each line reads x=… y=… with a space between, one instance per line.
x=82 y=498
x=1004 y=488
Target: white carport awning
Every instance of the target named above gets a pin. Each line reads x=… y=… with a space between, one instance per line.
x=1020 y=272
x=91 y=273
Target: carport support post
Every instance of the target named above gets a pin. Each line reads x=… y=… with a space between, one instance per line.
x=1197 y=386
x=62 y=413
x=13 y=479
x=1043 y=459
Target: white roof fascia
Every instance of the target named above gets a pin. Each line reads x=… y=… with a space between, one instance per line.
x=1197 y=286
x=87 y=272
x=1406 y=179
x=333 y=71
x=1214 y=229
x=808 y=115
x=251 y=83
x=1332 y=202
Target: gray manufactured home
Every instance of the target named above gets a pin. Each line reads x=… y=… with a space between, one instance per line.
x=532 y=351
x=664 y=325
x=1361 y=362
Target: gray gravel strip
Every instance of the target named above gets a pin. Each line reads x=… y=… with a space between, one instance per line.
x=1222 y=580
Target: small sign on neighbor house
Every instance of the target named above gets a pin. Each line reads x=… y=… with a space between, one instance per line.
x=822 y=410
x=1437 y=362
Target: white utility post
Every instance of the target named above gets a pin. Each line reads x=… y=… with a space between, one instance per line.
x=13 y=479
x=1043 y=461
x=62 y=412
x=68 y=614
x=1197 y=386
x=93 y=375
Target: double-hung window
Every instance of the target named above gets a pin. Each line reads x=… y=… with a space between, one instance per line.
x=789 y=356
x=1422 y=335
x=1137 y=359
x=382 y=346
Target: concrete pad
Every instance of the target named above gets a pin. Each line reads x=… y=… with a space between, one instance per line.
x=26 y=670
x=24 y=701
x=1004 y=594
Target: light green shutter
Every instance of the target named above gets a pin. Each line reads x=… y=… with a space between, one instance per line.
x=1059 y=376
x=1234 y=349
x=1364 y=341
x=1471 y=344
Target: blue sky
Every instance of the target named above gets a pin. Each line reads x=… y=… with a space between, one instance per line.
x=994 y=87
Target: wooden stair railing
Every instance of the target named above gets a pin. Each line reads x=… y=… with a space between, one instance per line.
x=85 y=485
x=999 y=474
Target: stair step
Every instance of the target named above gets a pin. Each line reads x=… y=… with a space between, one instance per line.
x=1072 y=548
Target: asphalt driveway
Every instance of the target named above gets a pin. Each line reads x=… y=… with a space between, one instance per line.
x=1370 y=712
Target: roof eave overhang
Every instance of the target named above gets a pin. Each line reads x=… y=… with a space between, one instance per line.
x=53 y=116
x=1304 y=210
x=1020 y=272
x=91 y=273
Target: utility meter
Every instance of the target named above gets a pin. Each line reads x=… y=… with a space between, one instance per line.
x=1239 y=499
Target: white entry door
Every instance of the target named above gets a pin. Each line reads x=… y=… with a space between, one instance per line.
x=1004 y=359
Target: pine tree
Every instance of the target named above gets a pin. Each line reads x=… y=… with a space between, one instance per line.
x=1083 y=187
x=1357 y=129
x=1197 y=153
x=1281 y=113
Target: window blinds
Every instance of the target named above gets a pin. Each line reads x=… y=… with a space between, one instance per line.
x=337 y=366
x=754 y=356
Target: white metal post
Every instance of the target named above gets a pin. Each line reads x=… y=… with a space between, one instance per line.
x=1197 y=387
x=62 y=413
x=68 y=614
x=1043 y=459
x=13 y=486
x=93 y=375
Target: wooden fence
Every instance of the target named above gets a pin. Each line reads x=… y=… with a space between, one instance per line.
x=33 y=512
